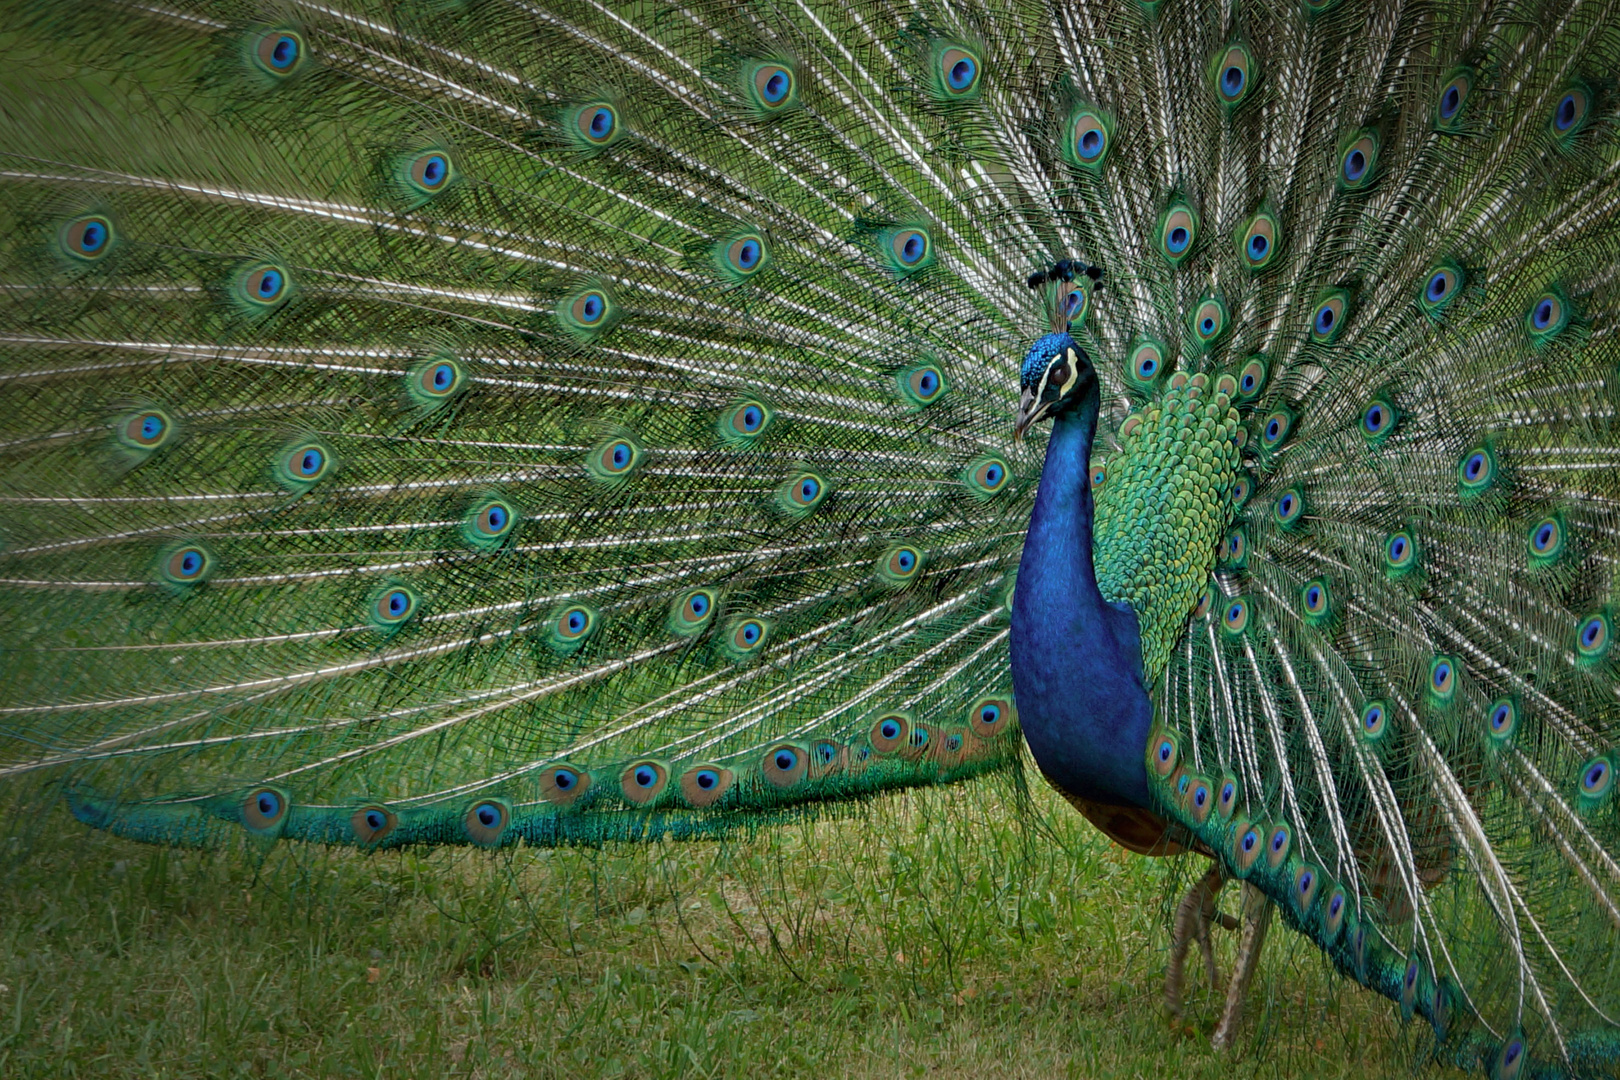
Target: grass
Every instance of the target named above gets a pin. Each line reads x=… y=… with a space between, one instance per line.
x=938 y=934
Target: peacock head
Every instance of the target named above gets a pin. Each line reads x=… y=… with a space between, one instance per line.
x=1056 y=374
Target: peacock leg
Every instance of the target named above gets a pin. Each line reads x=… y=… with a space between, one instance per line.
x=1193 y=916
x=1256 y=918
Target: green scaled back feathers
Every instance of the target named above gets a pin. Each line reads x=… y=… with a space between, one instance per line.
x=476 y=423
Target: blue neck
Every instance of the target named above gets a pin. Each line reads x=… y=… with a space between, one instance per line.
x=1077 y=659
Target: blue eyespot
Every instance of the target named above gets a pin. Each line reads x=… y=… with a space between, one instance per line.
x=1232 y=80
x=1374 y=419
x=1148 y=366
x=1450 y=102
x=576 y=622
x=748 y=254
x=1279 y=840
x=1355 y=165
x=1374 y=718
x=397 y=603
x=906 y=559
x=912 y=248
x=1090 y=144
x=1251 y=839
x=963 y=73
x=1258 y=246
x=375 y=819
x=1200 y=796
x=269 y=284
x=993 y=475
x=1398 y=547
x=776 y=87
x=1228 y=792
x=444 y=377
x=283 y=53
x=989 y=715
x=1335 y=906
x=890 y=729
x=1324 y=319
x=309 y=462
x=1306 y=879
x=786 y=760
x=92 y=237
x=707 y=779
x=488 y=815
x=1542 y=317
x=646 y=776
x=565 y=779
x=1593 y=639
x=601 y=123
x=268 y=803
x=1177 y=239
x=1207 y=325
x=1501 y=716
x=1438 y=285
x=1441 y=677
x=1166 y=749
x=592 y=308
x=1596 y=773
x=1564 y=116
x=434 y=171
x=1474 y=467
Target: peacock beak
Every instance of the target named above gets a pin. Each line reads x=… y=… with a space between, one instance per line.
x=1030 y=409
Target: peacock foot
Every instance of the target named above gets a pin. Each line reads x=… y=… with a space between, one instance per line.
x=1194 y=915
x=1256 y=919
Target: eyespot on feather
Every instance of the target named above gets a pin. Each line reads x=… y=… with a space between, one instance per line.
x=772 y=87
x=957 y=71
x=1289 y=510
x=990 y=716
x=144 y=431
x=1328 y=322
x=1178 y=232
x=1307 y=879
x=1163 y=754
x=642 y=782
x=1209 y=320
x=785 y=764
x=1316 y=602
x=1377 y=420
x=1453 y=98
x=1440 y=287
x=572 y=626
x=87 y=239
x=918 y=742
x=922 y=384
x=692 y=612
x=1279 y=839
x=1570 y=113
x=801 y=494
x=1090 y=133
x=264 y=810
x=1145 y=366
x=563 y=785
x=486 y=820
x=1441 y=687
x=1248 y=842
x=1374 y=721
x=303 y=464
x=587 y=313
x=744 y=422
x=434 y=381
x=900 y=564
x=488 y=523
x=1477 y=471
x=1252 y=378
x=890 y=732
x=1259 y=240
x=1546 y=541
x=1502 y=719
x=1593 y=638
x=1235 y=549
x=278 y=53
x=593 y=126
x=614 y=460
x=741 y=256
x=392 y=606
x=372 y=824
x=1233 y=72
x=1358 y=161
x=428 y=174
x=1235 y=616
x=910 y=249
x=1548 y=316
x=987 y=476
x=186 y=564
x=262 y=287
x=745 y=636
x=1226 y=797
x=704 y=785
x=1400 y=553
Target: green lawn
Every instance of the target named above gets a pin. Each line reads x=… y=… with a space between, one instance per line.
x=939 y=934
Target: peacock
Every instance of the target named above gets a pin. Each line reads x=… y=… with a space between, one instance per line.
x=484 y=422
